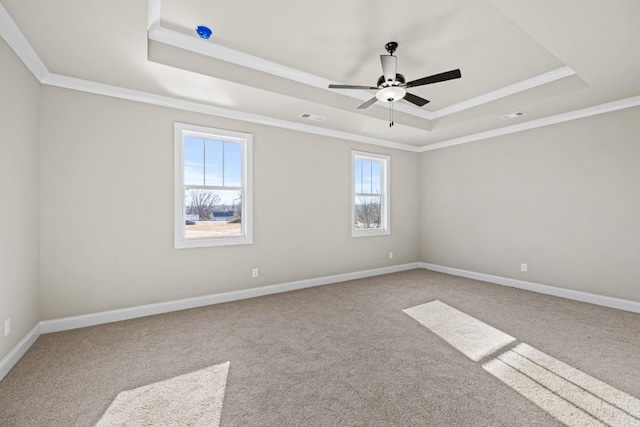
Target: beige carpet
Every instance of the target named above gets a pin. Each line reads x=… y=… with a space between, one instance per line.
x=193 y=399
x=576 y=404
x=337 y=355
x=472 y=337
x=571 y=396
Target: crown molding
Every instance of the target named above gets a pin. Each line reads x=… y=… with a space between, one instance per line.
x=20 y=45
x=212 y=50
x=522 y=86
x=196 y=107
x=154 y=12
x=158 y=33
x=10 y=32
x=621 y=104
x=193 y=44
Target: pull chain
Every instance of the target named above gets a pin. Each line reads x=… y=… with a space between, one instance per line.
x=391 y=114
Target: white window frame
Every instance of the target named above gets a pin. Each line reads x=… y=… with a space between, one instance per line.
x=385 y=200
x=246 y=140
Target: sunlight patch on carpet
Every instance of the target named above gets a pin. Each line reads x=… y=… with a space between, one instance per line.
x=601 y=389
x=566 y=393
x=193 y=399
x=468 y=335
x=537 y=375
x=545 y=399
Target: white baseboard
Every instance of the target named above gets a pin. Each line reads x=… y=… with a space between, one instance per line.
x=18 y=351
x=73 y=322
x=92 y=319
x=620 y=304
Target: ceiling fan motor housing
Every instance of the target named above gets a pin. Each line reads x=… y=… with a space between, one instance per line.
x=399 y=81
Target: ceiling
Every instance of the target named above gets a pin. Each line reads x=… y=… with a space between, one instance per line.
x=275 y=60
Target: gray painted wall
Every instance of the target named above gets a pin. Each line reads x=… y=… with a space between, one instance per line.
x=19 y=207
x=107 y=208
x=564 y=199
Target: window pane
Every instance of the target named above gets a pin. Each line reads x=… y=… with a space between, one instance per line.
x=366 y=176
x=193 y=161
x=213 y=162
x=357 y=175
x=368 y=212
x=232 y=164
x=375 y=177
x=213 y=213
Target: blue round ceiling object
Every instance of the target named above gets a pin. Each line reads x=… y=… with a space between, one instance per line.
x=204 y=32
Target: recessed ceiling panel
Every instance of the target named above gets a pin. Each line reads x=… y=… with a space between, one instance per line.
x=342 y=41
x=544 y=57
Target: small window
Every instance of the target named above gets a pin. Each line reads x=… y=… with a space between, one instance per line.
x=370 y=201
x=212 y=187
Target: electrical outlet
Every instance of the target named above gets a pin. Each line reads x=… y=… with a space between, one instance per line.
x=523 y=267
x=390 y=255
x=7 y=326
x=254 y=272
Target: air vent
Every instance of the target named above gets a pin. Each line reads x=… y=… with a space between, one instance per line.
x=313 y=117
x=512 y=115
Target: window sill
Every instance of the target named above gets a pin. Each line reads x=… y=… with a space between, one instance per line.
x=369 y=233
x=207 y=243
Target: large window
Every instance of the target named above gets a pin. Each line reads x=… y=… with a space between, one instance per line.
x=370 y=200
x=212 y=187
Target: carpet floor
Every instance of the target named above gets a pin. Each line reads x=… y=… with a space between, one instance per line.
x=337 y=355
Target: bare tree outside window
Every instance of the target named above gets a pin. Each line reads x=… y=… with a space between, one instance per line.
x=202 y=203
x=212 y=187
x=368 y=212
x=370 y=184
x=237 y=208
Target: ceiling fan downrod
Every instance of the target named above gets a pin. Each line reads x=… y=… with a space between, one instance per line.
x=390 y=114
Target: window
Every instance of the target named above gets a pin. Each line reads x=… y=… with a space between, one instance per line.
x=212 y=187
x=370 y=200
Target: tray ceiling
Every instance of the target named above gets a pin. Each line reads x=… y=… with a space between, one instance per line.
x=275 y=60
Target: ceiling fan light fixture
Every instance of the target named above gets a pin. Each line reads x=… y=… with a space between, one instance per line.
x=391 y=93
x=392 y=86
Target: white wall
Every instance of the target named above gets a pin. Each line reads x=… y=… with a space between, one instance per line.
x=565 y=199
x=107 y=208
x=19 y=207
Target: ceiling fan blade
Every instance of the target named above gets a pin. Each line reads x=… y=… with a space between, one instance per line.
x=350 y=87
x=436 y=78
x=389 y=67
x=414 y=99
x=368 y=104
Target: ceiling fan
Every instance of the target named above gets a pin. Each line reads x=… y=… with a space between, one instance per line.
x=392 y=87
